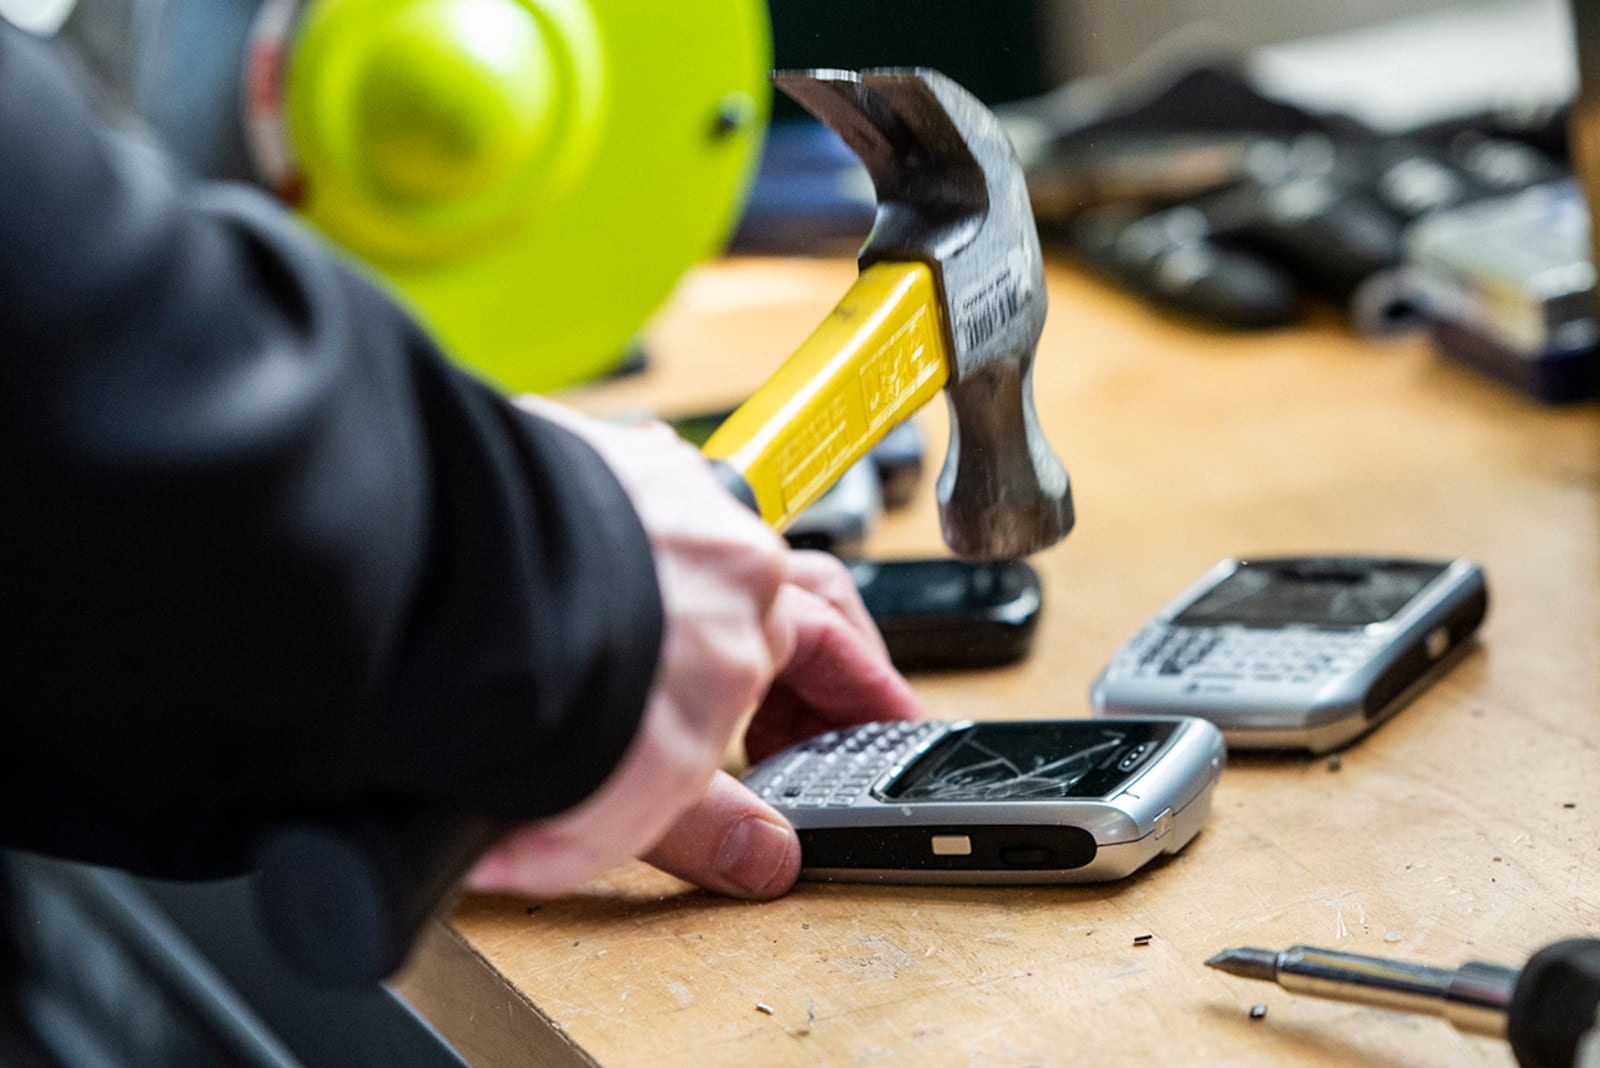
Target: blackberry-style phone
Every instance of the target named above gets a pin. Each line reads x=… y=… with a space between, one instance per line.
x=1297 y=652
x=947 y=615
x=1021 y=801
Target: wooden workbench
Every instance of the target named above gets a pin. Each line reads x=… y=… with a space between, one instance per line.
x=1466 y=827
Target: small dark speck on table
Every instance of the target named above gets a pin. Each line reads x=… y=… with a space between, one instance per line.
x=1258 y=1011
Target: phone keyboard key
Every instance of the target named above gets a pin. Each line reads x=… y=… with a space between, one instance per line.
x=836 y=769
x=1302 y=657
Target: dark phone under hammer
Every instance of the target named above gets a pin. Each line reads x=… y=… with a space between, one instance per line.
x=948 y=615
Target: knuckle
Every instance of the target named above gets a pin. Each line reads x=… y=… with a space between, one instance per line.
x=748 y=679
x=732 y=667
x=762 y=567
x=825 y=573
x=836 y=583
x=686 y=751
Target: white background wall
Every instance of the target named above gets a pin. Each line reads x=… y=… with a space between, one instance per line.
x=1102 y=36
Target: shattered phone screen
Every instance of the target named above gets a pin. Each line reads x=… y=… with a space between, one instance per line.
x=1031 y=761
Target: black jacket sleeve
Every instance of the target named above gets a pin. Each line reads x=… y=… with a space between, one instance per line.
x=264 y=553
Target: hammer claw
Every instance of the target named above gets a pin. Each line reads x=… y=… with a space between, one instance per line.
x=839 y=100
x=894 y=120
x=937 y=170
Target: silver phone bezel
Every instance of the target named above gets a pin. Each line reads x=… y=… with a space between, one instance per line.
x=1262 y=716
x=1158 y=810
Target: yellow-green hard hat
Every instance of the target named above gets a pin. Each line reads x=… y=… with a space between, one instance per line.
x=531 y=176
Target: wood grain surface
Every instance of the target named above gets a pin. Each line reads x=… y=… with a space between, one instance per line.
x=1467 y=827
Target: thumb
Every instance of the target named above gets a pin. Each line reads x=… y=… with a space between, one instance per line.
x=732 y=842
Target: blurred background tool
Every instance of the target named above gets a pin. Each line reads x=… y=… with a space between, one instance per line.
x=484 y=157
x=1208 y=197
x=1507 y=286
x=1243 y=181
x=1547 y=1009
x=531 y=177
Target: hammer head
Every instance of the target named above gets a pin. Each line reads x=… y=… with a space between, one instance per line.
x=951 y=194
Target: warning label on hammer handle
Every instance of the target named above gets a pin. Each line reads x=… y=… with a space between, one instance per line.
x=983 y=311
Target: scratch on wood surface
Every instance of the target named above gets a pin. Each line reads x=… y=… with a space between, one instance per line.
x=925 y=990
x=1341 y=930
x=680 y=993
x=885 y=960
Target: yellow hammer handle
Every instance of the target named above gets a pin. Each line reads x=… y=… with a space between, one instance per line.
x=881 y=354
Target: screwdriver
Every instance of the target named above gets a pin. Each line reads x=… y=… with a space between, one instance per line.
x=1547 y=1009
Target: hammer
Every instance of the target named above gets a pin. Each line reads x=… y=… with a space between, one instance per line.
x=951 y=294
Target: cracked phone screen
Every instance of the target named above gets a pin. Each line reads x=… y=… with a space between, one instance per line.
x=1030 y=761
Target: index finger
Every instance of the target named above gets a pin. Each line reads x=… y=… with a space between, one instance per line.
x=828 y=578
x=834 y=678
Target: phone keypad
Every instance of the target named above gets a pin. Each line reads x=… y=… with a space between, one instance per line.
x=833 y=770
x=1238 y=653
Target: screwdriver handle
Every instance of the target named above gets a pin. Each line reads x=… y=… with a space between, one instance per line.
x=1555 y=1004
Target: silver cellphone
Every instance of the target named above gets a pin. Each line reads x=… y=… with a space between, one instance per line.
x=1018 y=801
x=840 y=520
x=1297 y=652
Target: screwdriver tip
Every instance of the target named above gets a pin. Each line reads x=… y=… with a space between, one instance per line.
x=1247 y=962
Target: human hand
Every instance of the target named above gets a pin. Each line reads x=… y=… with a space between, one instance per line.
x=749 y=624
